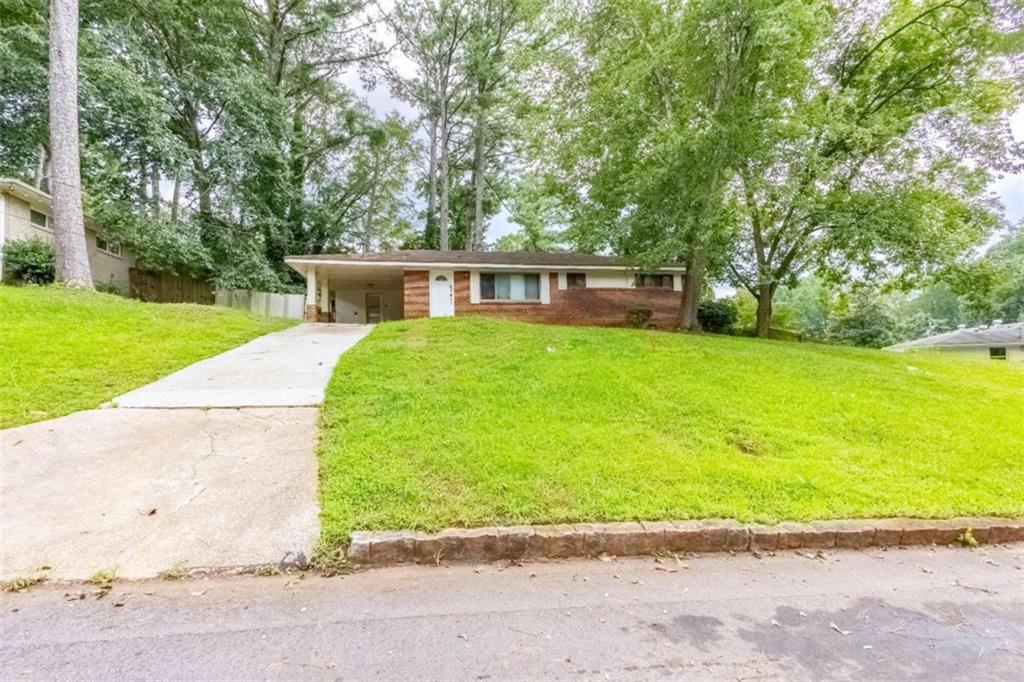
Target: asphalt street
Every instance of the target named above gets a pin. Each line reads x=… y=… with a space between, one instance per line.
x=921 y=614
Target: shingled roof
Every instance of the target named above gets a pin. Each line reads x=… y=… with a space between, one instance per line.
x=971 y=337
x=424 y=257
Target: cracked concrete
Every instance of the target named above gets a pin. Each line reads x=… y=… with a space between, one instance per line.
x=140 y=491
x=146 y=489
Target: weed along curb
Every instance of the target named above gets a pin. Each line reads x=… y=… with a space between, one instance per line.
x=455 y=545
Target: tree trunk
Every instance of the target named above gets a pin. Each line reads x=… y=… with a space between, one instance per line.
x=40 y=168
x=442 y=209
x=432 y=177
x=154 y=188
x=72 y=255
x=142 y=189
x=765 y=293
x=475 y=238
x=297 y=183
x=371 y=208
x=693 y=282
x=176 y=196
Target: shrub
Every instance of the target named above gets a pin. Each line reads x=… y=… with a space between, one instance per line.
x=638 y=317
x=29 y=261
x=717 y=316
x=109 y=288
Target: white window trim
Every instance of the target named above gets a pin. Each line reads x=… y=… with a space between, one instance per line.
x=563 y=280
x=543 y=281
x=474 y=286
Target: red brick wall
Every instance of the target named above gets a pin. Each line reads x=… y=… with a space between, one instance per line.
x=417 y=294
x=598 y=307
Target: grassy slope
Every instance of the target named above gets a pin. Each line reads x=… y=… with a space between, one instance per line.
x=64 y=350
x=437 y=423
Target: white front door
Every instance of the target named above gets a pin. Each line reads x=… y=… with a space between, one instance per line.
x=442 y=293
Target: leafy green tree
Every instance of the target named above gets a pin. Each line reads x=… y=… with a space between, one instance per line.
x=648 y=114
x=992 y=287
x=864 y=320
x=876 y=165
x=539 y=215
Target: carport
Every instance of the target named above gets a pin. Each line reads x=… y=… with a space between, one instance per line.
x=351 y=291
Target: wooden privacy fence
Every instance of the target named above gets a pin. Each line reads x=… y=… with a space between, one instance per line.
x=164 y=287
x=263 y=302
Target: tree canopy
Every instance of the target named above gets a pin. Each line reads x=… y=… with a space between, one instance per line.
x=759 y=142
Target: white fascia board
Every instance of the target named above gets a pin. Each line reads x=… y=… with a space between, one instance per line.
x=489 y=267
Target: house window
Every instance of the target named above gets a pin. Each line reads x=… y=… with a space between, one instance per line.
x=647 y=280
x=39 y=219
x=574 y=280
x=110 y=247
x=997 y=353
x=502 y=286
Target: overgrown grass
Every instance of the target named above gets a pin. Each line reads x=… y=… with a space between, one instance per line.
x=64 y=350
x=468 y=422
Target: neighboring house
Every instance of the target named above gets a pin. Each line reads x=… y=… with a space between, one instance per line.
x=996 y=341
x=560 y=288
x=27 y=212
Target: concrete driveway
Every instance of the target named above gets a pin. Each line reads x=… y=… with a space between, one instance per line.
x=145 y=489
x=290 y=368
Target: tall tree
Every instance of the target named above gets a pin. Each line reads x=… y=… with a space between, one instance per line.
x=72 y=255
x=646 y=116
x=876 y=163
x=500 y=28
x=432 y=35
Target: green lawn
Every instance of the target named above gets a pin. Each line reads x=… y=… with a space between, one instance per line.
x=66 y=350
x=468 y=422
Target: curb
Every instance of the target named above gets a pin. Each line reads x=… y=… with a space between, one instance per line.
x=563 y=541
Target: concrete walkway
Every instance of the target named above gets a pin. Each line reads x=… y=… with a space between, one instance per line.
x=143 y=490
x=289 y=368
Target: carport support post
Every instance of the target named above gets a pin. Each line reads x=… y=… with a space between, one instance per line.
x=312 y=312
x=325 y=296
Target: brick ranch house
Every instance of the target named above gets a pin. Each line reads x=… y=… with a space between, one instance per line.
x=558 y=288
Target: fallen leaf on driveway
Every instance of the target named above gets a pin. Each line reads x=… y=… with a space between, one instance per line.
x=839 y=629
x=198 y=593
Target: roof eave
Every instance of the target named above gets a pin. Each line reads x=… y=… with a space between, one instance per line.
x=417 y=265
